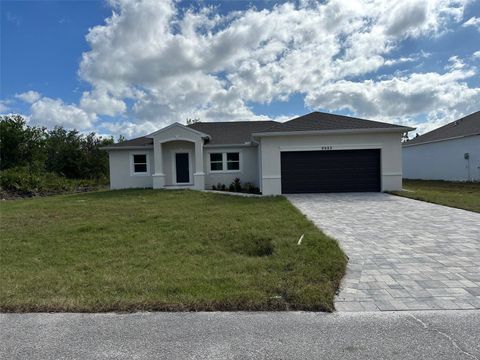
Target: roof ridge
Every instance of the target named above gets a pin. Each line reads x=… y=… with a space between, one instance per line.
x=341 y=116
x=233 y=122
x=462 y=127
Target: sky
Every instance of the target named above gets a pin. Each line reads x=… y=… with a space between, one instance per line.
x=128 y=67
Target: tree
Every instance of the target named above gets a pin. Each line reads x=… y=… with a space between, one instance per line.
x=20 y=144
x=65 y=152
x=191 y=121
x=96 y=160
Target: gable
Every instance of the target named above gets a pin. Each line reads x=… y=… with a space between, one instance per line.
x=177 y=131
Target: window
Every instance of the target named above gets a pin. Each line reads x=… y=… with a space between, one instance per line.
x=140 y=165
x=233 y=161
x=224 y=162
x=216 y=161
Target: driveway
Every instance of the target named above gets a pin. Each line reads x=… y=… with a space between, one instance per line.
x=403 y=254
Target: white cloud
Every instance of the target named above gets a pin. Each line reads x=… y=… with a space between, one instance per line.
x=100 y=102
x=50 y=112
x=402 y=98
x=176 y=64
x=28 y=96
x=473 y=21
x=4 y=106
x=476 y=54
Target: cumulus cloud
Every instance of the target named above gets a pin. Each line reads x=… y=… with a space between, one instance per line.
x=197 y=63
x=4 y=107
x=177 y=63
x=402 y=98
x=50 y=112
x=28 y=96
x=473 y=21
x=99 y=101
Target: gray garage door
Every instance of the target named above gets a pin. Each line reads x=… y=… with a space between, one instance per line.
x=330 y=171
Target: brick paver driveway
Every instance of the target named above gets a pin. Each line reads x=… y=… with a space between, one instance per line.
x=403 y=254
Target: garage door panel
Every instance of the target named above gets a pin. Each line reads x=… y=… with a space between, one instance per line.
x=330 y=171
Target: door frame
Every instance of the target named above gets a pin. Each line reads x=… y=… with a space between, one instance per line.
x=174 y=166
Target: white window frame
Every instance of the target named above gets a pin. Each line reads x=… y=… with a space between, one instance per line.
x=210 y=162
x=224 y=162
x=132 y=164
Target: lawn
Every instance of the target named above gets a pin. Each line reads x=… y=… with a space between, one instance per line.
x=455 y=194
x=160 y=250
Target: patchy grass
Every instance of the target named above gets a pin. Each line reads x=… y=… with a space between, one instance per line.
x=455 y=194
x=163 y=250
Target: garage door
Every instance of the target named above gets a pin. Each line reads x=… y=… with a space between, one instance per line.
x=330 y=171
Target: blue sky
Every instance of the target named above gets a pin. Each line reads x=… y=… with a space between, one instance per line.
x=237 y=60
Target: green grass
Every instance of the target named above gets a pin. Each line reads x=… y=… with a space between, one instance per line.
x=455 y=194
x=163 y=250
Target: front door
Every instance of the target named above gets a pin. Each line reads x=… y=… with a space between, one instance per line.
x=182 y=168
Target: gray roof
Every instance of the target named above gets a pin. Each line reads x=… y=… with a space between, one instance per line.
x=231 y=132
x=240 y=132
x=137 y=142
x=319 y=121
x=467 y=126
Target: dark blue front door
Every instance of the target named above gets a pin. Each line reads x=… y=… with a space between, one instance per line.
x=183 y=172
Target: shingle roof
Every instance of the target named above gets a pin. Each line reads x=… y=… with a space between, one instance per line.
x=319 y=121
x=231 y=132
x=140 y=141
x=467 y=126
x=240 y=132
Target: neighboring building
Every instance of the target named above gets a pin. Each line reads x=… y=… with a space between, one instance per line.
x=451 y=152
x=317 y=152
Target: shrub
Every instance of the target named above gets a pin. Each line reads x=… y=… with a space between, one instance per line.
x=28 y=181
x=237 y=185
x=250 y=188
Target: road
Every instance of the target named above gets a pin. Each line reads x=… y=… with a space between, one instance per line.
x=279 y=335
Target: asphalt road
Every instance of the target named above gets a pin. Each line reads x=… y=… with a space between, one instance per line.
x=288 y=335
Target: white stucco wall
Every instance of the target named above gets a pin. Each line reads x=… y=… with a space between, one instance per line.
x=443 y=160
x=248 y=167
x=121 y=176
x=389 y=143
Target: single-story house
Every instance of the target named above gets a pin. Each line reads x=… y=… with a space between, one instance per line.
x=451 y=152
x=317 y=152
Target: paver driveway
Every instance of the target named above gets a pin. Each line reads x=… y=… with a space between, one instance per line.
x=403 y=254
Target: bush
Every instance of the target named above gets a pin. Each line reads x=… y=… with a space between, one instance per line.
x=236 y=186
x=250 y=188
x=26 y=181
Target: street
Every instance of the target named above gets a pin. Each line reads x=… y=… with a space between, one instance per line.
x=230 y=335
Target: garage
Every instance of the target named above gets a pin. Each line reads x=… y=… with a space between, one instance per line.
x=330 y=171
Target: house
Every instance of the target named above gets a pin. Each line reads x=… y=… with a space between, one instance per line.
x=451 y=152
x=317 y=152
